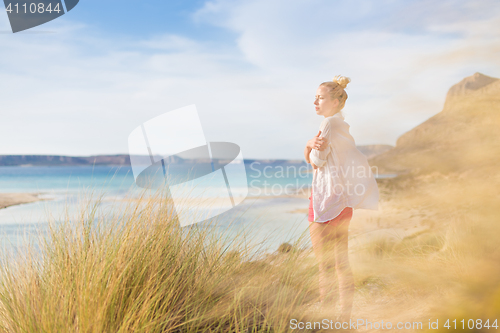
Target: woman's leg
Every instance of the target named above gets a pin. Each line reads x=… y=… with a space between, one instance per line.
x=323 y=240
x=344 y=272
x=330 y=245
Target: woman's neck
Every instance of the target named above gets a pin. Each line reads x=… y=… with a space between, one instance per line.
x=331 y=115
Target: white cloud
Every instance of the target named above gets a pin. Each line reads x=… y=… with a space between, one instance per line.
x=400 y=65
x=80 y=92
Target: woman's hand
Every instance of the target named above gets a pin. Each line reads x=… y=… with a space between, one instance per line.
x=318 y=143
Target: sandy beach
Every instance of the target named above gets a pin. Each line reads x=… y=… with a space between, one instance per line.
x=12 y=199
x=209 y=202
x=392 y=221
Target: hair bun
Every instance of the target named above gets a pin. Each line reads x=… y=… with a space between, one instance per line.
x=342 y=81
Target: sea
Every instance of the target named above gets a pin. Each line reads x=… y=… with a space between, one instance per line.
x=273 y=211
x=268 y=207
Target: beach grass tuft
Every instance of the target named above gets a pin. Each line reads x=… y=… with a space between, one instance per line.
x=137 y=270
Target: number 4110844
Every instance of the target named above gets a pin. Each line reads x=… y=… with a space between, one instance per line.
x=33 y=8
x=471 y=324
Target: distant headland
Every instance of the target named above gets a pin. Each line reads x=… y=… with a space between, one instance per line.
x=124 y=159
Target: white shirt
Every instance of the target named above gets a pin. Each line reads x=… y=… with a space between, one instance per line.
x=343 y=177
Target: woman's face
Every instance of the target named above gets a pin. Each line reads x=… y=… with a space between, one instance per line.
x=325 y=106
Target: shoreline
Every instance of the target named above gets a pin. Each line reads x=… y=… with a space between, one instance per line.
x=14 y=199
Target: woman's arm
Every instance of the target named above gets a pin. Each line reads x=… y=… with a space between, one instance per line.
x=307 y=151
x=318 y=143
x=317 y=157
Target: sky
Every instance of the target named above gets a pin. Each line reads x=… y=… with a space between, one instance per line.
x=80 y=84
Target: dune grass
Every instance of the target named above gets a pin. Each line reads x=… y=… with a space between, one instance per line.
x=134 y=269
x=138 y=271
x=450 y=270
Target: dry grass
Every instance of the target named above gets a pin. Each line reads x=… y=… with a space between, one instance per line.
x=135 y=270
x=449 y=270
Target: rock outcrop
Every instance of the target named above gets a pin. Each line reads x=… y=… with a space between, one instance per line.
x=464 y=136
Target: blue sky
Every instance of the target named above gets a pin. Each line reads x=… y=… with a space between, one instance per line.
x=80 y=84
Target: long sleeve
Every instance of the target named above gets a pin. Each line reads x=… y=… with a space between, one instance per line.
x=339 y=180
x=319 y=157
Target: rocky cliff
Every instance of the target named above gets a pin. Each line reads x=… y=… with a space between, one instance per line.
x=373 y=150
x=462 y=137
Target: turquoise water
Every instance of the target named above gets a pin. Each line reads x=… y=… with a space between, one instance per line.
x=66 y=187
x=270 y=221
x=269 y=178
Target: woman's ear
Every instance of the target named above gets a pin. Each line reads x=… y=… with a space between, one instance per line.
x=336 y=103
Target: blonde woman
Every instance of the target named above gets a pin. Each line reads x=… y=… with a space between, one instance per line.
x=342 y=182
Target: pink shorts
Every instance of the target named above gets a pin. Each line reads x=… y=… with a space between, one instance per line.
x=344 y=217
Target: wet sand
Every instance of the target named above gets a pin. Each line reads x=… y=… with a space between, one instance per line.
x=393 y=221
x=12 y=199
x=204 y=202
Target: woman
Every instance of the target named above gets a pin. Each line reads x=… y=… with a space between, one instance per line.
x=342 y=181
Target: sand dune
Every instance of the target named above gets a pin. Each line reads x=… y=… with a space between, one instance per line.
x=12 y=199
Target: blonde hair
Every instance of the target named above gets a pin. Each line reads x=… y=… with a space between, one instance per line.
x=336 y=88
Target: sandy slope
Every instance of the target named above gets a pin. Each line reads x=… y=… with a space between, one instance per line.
x=11 y=199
